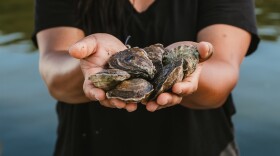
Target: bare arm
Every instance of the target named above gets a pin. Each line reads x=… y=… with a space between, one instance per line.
x=215 y=78
x=60 y=71
x=220 y=73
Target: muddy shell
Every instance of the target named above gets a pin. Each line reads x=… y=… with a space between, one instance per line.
x=133 y=90
x=155 y=53
x=135 y=61
x=171 y=73
x=107 y=79
x=189 y=53
x=132 y=69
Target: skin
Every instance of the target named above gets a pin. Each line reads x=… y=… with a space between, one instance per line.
x=141 y=5
x=208 y=87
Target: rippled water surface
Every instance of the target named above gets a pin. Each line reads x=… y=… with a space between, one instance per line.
x=27 y=112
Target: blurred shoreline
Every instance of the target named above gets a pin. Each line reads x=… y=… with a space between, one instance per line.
x=27 y=112
x=28 y=119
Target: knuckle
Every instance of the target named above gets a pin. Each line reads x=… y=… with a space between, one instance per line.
x=195 y=87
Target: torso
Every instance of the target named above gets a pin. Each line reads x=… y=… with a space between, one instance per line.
x=171 y=131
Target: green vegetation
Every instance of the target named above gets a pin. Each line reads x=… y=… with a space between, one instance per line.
x=17 y=16
x=268 y=18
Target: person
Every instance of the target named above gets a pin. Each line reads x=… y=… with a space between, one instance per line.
x=76 y=38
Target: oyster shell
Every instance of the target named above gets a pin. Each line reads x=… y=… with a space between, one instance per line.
x=155 y=53
x=133 y=90
x=135 y=61
x=189 y=53
x=107 y=79
x=131 y=69
x=171 y=73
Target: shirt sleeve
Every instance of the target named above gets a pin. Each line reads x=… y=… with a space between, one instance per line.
x=54 y=13
x=239 y=13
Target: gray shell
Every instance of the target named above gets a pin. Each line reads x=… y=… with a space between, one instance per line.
x=171 y=73
x=135 y=61
x=133 y=90
x=155 y=53
x=189 y=53
x=130 y=70
x=107 y=79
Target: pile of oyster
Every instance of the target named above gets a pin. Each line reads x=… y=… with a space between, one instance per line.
x=140 y=75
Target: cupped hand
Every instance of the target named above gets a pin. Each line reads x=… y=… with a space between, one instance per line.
x=188 y=85
x=94 y=52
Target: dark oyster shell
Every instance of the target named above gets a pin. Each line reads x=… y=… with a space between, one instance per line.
x=189 y=53
x=131 y=68
x=155 y=53
x=171 y=73
x=107 y=79
x=133 y=90
x=135 y=61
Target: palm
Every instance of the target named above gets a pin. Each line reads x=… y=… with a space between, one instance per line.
x=97 y=57
x=94 y=52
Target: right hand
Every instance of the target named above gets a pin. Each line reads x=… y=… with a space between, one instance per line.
x=94 y=52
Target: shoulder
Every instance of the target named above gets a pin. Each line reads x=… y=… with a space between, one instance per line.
x=55 y=13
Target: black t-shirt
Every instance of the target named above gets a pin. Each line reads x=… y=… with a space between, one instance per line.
x=91 y=129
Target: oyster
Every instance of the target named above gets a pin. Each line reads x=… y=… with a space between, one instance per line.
x=155 y=53
x=135 y=61
x=189 y=53
x=130 y=70
x=171 y=73
x=107 y=79
x=133 y=90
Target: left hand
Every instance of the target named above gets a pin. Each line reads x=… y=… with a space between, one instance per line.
x=188 y=85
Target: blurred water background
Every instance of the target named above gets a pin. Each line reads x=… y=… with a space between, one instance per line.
x=27 y=112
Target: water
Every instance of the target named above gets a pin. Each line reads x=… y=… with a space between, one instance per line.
x=257 y=101
x=27 y=117
x=27 y=112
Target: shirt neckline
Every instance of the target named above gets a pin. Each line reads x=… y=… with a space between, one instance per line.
x=149 y=9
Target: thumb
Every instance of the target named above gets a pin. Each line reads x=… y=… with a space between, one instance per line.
x=84 y=47
x=206 y=50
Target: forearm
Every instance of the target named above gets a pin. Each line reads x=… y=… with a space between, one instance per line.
x=216 y=82
x=220 y=73
x=61 y=72
x=63 y=77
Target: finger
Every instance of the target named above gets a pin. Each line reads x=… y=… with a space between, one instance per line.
x=176 y=44
x=206 y=50
x=96 y=94
x=92 y=92
x=152 y=106
x=107 y=103
x=189 y=84
x=185 y=88
x=118 y=103
x=84 y=47
x=168 y=99
x=130 y=107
